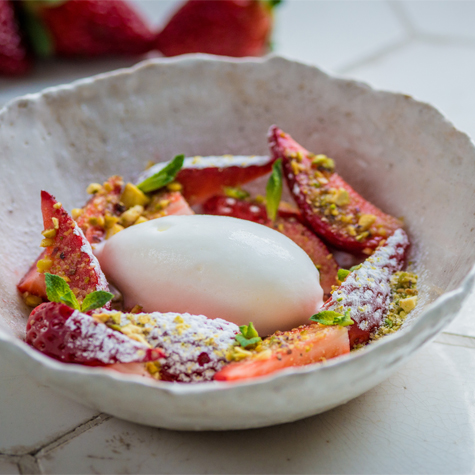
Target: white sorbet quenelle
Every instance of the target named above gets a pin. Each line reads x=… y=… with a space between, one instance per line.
x=215 y=266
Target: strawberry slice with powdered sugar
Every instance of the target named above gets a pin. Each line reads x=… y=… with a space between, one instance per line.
x=331 y=207
x=68 y=253
x=366 y=292
x=203 y=177
x=70 y=336
x=301 y=346
x=288 y=222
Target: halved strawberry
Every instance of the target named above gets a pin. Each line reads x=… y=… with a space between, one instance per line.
x=301 y=346
x=366 y=292
x=203 y=177
x=287 y=222
x=87 y=28
x=104 y=202
x=14 y=59
x=332 y=208
x=225 y=27
x=74 y=337
x=68 y=253
x=33 y=283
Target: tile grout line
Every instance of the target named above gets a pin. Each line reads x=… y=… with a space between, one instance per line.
x=454 y=339
x=72 y=434
x=403 y=43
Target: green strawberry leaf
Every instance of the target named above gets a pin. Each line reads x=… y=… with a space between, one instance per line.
x=40 y=38
x=343 y=274
x=165 y=176
x=274 y=190
x=329 y=317
x=57 y=290
x=96 y=299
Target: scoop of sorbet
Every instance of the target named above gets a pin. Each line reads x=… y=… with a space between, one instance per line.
x=216 y=266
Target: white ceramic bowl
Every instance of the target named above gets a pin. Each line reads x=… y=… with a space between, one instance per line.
x=401 y=154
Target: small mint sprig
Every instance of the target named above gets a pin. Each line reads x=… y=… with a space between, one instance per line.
x=58 y=290
x=162 y=178
x=329 y=317
x=274 y=190
x=248 y=336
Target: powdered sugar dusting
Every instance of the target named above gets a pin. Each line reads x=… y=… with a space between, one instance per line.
x=199 y=163
x=366 y=292
x=91 y=341
x=195 y=346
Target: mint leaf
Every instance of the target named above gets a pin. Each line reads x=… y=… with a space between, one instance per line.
x=329 y=317
x=248 y=336
x=96 y=299
x=57 y=290
x=274 y=190
x=245 y=342
x=163 y=177
x=343 y=274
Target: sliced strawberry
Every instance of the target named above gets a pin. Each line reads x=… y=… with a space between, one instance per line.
x=68 y=253
x=89 y=28
x=14 y=60
x=203 y=177
x=332 y=208
x=74 y=337
x=224 y=27
x=105 y=202
x=33 y=282
x=288 y=223
x=302 y=346
x=366 y=291
x=167 y=203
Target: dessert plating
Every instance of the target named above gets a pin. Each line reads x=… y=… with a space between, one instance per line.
x=76 y=324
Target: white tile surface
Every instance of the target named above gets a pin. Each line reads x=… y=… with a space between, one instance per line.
x=465 y=322
x=453 y=19
x=422 y=420
x=8 y=466
x=31 y=414
x=333 y=34
x=443 y=75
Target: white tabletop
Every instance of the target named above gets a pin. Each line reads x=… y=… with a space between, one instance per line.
x=421 y=420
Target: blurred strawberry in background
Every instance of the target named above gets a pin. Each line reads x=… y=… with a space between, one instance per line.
x=223 y=27
x=14 y=59
x=98 y=28
x=86 y=28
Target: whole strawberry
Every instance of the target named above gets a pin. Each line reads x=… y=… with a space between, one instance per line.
x=224 y=27
x=14 y=60
x=87 y=28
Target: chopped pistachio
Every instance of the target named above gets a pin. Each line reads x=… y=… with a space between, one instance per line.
x=57 y=205
x=109 y=221
x=49 y=233
x=76 y=212
x=174 y=186
x=44 y=264
x=131 y=215
x=47 y=242
x=366 y=220
x=33 y=300
x=132 y=196
x=141 y=220
x=408 y=303
x=342 y=198
x=93 y=188
x=114 y=230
